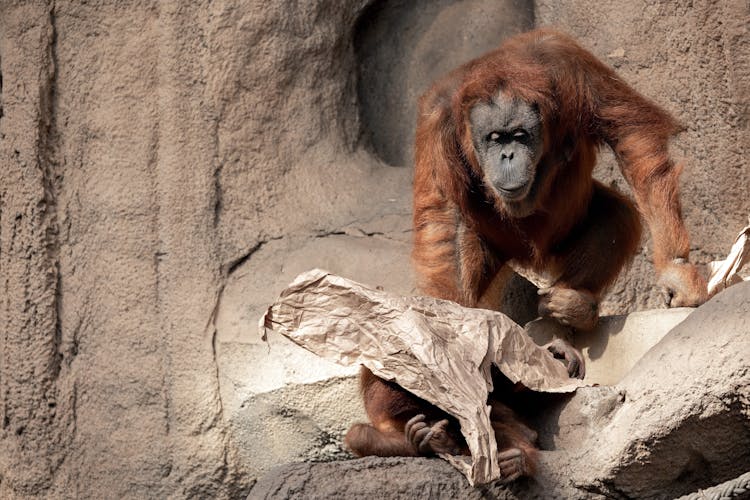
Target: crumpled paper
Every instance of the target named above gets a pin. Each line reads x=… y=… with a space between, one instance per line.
x=433 y=348
x=726 y=272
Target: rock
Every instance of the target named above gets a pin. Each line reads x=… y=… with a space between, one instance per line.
x=394 y=478
x=153 y=153
x=685 y=422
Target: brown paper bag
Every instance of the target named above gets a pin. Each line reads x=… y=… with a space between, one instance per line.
x=435 y=349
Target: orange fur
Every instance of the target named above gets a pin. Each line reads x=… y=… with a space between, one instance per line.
x=389 y=407
x=580 y=231
x=583 y=104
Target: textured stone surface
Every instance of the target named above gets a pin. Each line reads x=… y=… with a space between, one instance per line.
x=165 y=166
x=393 y=478
x=37 y=396
x=685 y=422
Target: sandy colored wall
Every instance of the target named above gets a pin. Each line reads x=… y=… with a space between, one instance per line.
x=166 y=167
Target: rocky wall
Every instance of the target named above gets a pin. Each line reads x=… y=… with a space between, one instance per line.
x=166 y=167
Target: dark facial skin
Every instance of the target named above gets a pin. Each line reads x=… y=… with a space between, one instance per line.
x=507 y=137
